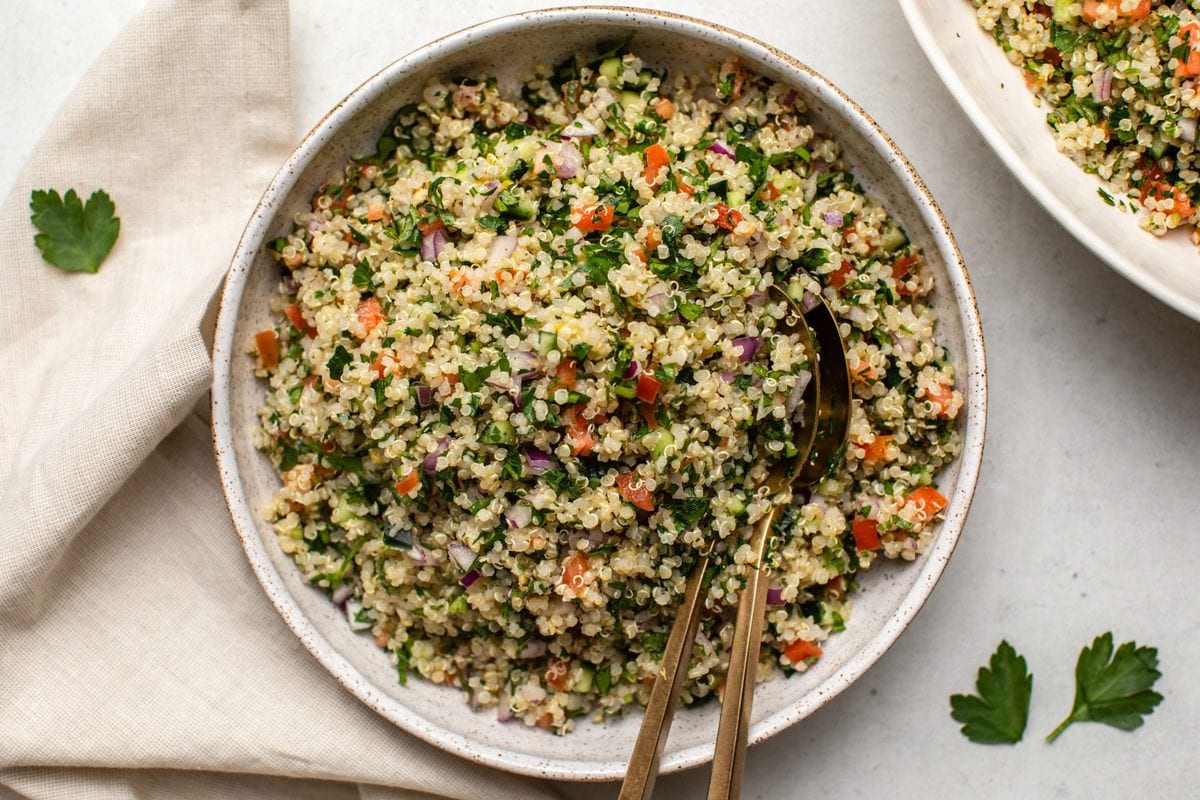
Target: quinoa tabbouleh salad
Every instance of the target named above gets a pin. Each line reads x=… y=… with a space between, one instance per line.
x=1120 y=77
x=525 y=368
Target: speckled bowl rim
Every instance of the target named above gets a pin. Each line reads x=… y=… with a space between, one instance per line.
x=225 y=350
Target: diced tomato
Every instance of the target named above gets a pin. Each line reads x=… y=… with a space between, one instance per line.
x=597 y=217
x=664 y=107
x=801 y=650
x=656 y=158
x=647 y=388
x=381 y=365
x=836 y=589
x=574 y=574
x=927 y=500
x=408 y=483
x=1092 y=9
x=866 y=534
x=267 y=344
x=556 y=673
x=296 y=317
x=863 y=373
x=294 y=260
x=653 y=238
x=647 y=412
x=903 y=266
x=369 y=315
x=942 y=398
x=877 y=449
x=837 y=278
x=634 y=490
x=375 y=212
x=450 y=378
x=566 y=372
x=769 y=192
x=579 y=432
x=1181 y=203
x=1190 y=68
x=427 y=226
x=686 y=188
x=727 y=218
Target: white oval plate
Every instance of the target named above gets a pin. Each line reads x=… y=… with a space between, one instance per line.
x=891 y=595
x=993 y=94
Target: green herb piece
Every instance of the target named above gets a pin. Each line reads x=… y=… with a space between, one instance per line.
x=813 y=257
x=1113 y=688
x=363 y=274
x=689 y=511
x=75 y=237
x=997 y=715
x=338 y=362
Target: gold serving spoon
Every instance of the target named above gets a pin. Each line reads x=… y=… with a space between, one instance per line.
x=822 y=415
x=729 y=760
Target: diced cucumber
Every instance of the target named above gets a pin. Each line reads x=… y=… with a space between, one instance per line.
x=342 y=514
x=458 y=606
x=657 y=441
x=795 y=290
x=626 y=390
x=1158 y=146
x=735 y=199
x=736 y=505
x=583 y=683
x=1062 y=11
x=527 y=148
x=642 y=80
x=611 y=69
x=515 y=205
x=547 y=341
x=893 y=239
x=827 y=617
x=629 y=99
x=499 y=432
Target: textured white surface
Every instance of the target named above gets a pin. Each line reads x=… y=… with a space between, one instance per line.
x=1085 y=515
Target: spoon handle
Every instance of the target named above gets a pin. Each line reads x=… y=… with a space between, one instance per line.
x=656 y=724
x=729 y=760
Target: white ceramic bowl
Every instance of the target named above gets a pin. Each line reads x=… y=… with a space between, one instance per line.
x=891 y=595
x=993 y=94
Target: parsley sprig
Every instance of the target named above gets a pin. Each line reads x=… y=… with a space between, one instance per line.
x=997 y=715
x=74 y=236
x=1113 y=688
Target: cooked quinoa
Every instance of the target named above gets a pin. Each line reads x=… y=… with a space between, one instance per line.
x=1119 y=77
x=524 y=367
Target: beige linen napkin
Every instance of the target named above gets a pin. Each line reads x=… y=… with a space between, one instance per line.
x=138 y=655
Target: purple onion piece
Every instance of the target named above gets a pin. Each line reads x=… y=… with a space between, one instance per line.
x=720 y=147
x=504 y=708
x=727 y=377
x=749 y=346
x=790 y=97
x=1102 y=85
x=534 y=648
x=775 y=596
x=462 y=555
x=518 y=516
x=580 y=128
x=432 y=244
x=424 y=396
x=521 y=361
x=430 y=462
x=809 y=301
x=1187 y=129
x=469 y=578
x=833 y=218
x=797 y=395
x=502 y=247
x=490 y=195
x=420 y=556
x=341 y=595
x=538 y=462
x=756 y=298
x=568 y=160
x=632 y=370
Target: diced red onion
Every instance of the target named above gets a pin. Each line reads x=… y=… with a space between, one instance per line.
x=748 y=345
x=1102 y=85
x=790 y=97
x=462 y=555
x=658 y=301
x=580 y=128
x=432 y=244
x=314 y=225
x=857 y=315
x=833 y=218
x=756 y=298
x=775 y=596
x=532 y=693
x=502 y=247
x=521 y=360
x=534 y=648
x=424 y=396
x=342 y=594
x=469 y=578
x=632 y=370
x=727 y=377
x=538 y=462
x=420 y=556
x=1187 y=129
x=720 y=147
x=504 y=708
x=518 y=516
x=907 y=344
x=430 y=462
x=489 y=199
x=809 y=301
x=567 y=160
x=802 y=380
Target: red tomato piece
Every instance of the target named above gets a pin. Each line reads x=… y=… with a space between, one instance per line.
x=634 y=490
x=267 y=344
x=647 y=388
x=801 y=650
x=866 y=534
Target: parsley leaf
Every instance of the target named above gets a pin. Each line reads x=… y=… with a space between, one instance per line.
x=999 y=713
x=338 y=362
x=73 y=236
x=1113 y=688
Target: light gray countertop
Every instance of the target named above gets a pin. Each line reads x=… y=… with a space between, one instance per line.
x=1085 y=518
